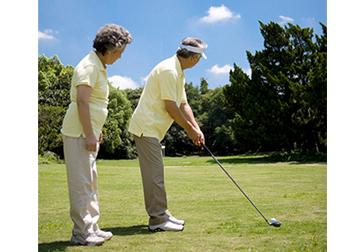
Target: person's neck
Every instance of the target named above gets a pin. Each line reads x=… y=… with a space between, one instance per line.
x=183 y=63
x=101 y=57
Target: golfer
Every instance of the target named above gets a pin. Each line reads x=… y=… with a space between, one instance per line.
x=163 y=101
x=82 y=133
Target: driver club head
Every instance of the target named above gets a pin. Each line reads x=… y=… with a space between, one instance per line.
x=275 y=224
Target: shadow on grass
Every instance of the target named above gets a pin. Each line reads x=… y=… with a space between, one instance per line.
x=54 y=246
x=120 y=231
x=132 y=230
x=274 y=158
x=241 y=160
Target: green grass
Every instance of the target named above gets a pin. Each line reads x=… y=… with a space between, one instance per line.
x=218 y=217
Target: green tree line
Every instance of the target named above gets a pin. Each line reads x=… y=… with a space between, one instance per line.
x=282 y=106
x=284 y=103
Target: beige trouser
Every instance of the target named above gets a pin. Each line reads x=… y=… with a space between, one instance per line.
x=82 y=184
x=152 y=173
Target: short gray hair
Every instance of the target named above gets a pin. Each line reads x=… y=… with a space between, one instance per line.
x=182 y=52
x=110 y=38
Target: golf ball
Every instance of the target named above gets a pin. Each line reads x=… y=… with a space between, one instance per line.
x=273 y=220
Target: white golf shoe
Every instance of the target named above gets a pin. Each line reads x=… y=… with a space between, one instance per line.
x=176 y=221
x=90 y=240
x=173 y=219
x=106 y=235
x=166 y=226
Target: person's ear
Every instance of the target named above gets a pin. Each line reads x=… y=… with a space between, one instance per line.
x=195 y=57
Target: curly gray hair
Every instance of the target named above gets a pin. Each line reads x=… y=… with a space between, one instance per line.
x=110 y=38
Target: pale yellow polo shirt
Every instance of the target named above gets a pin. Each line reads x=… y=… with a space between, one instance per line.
x=166 y=82
x=90 y=71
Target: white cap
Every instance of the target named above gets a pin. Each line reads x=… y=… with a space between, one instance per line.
x=196 y=49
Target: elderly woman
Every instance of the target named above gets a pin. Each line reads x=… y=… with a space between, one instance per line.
x=82 y=133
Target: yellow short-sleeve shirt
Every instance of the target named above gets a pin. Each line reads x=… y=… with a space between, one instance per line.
x=90 y=71
x=166 y=82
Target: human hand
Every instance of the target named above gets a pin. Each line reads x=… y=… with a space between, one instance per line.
x=200 y=140
x=101 y=137
x=91 y=143
x=196 y=136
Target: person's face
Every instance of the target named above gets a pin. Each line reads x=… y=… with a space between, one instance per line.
x=114 y=56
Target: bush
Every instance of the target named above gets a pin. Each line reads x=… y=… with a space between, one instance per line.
x=49 y=125
x=49 y=158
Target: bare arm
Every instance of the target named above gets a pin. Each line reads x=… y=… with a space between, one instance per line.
x=82 y=100
x=187 y=112
x=184 y=120
x=189 y=115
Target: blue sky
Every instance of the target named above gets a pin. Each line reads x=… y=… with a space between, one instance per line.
x=230 y=28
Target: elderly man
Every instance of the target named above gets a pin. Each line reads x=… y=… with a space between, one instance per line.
x=163 y=101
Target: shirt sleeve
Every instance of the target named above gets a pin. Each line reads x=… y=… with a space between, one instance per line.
x=167 y=80
x=87 y=76
x=184 y=98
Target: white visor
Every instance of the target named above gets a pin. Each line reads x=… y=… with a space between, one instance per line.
x=196 y=49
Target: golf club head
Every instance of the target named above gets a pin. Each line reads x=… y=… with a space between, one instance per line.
x=275 y=224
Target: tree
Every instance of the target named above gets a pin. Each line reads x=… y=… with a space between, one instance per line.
x=53 y=82
x=203 y=86
x=213 y=119
x=275 y=108
x=49 y=125
x=53 y=97
x=118 y=142
x=133 y=96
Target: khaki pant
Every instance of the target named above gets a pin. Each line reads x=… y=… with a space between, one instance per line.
x=82 y=184
x=152 y=173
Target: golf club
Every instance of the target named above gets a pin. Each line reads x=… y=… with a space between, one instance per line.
x=273 y=221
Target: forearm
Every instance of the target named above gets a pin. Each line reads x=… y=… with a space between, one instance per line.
x=185 y=118
x=176 y=113
x=84 y=116
x=82 y=100
x=188 y=114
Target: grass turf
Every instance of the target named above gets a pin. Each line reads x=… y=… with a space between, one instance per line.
x=218 y=217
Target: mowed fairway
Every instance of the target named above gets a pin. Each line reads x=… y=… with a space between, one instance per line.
x=218 y=216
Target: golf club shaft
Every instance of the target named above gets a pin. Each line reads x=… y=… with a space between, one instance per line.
x=234 y=181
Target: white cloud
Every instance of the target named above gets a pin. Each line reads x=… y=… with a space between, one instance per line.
x=308 y=21
x=219 y=13
x=220 y=70
x=118 y=81
x=46 y=34
x=285 y=20
x=144 y=80
x=248 y=72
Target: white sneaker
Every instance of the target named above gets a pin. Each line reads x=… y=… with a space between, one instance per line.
x=90 y=240
x=176 y=221
x=105 y=235
x=173 y=219
x=166 y=226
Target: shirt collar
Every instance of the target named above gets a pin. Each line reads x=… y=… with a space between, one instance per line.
x=97 y=60
x=178 y=66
